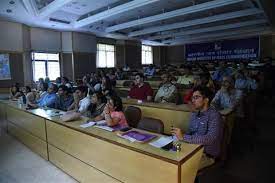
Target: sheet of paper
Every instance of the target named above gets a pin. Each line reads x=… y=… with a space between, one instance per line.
x=128 y=138
x=89 y=124
x=162 y=141
x=101 y=123
x=107 y=128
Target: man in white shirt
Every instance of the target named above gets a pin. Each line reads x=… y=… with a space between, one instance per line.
x=81 y=100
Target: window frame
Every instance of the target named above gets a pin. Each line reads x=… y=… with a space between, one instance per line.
x=146 y=51
x=106 y=53
x=45 y=62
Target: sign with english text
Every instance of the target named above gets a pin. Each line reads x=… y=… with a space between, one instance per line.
x=226 y=50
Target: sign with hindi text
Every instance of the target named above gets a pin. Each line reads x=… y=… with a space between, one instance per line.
x=226 y=50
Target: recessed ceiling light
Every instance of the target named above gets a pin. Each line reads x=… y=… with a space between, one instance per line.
x=53 y=25
x=83 y=5
x=74 y=2
x=9 y=11
x=11 y=2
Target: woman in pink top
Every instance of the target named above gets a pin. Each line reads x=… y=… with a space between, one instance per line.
x=113 y=113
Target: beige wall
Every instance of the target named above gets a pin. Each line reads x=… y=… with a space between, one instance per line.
x=11 y=36
x=67 y=42
x=45 y=40
x=84 y=43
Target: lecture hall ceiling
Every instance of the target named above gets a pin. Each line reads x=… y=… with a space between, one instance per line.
x=155 y=22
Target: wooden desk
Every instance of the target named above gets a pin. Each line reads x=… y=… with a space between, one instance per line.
x=27 y=128
x=95 y=155
x=169 y=114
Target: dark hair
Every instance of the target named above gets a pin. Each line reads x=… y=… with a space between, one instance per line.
x=117 y=102
x=140 y=75
x=45 y=86
x=28 y=89
x=16 y=85
x=65 y=79
x=205 y=92
x=108 y=84
x=83 y=89
x=64 y=88
x=54 y=87
x=101 y=97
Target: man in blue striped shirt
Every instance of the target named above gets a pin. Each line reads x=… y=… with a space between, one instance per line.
x=205 y=126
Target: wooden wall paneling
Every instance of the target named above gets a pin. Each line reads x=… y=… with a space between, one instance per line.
x=84 y=63
x=67 y=65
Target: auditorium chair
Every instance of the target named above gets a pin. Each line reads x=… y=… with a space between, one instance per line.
x=133 y=115
x=151 y=124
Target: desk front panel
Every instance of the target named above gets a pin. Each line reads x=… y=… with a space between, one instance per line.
x=76 y=168
x=169 y=117
x=119 y=162
x=35 y=144
x=29 y=122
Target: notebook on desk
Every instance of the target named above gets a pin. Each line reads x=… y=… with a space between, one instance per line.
x=137 y=136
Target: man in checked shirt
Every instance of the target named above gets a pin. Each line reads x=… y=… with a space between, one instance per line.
x=205 y=127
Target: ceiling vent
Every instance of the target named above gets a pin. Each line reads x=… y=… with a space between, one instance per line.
x=59 y=21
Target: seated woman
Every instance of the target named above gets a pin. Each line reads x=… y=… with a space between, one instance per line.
x=167 y=91
x=15 y=92
x=98 y=102
x=113 y=113
x=106 y=86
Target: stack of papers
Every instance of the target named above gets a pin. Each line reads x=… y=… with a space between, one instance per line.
x=162 y=141
x=93 y=123
x=86 y=125
x=107 y=128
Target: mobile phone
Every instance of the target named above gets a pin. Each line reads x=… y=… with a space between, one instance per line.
x=168 y=146
x=125 y=129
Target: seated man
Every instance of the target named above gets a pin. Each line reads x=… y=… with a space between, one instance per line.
x=221 y=72
x=65 y=99
x=49 y=99
x=81 y=100
x=167 y=91
x=187 y=78
x=140 y=90
x=150 y=71
x=227 y=96
x=205 y=127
